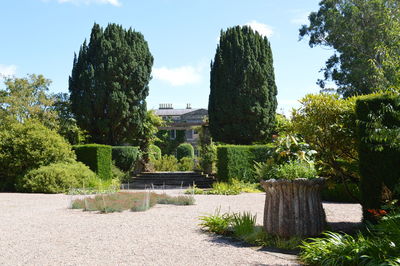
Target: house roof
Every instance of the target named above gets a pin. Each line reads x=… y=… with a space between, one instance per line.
x=174 y=112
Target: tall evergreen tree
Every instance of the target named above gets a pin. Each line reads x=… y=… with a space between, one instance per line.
x=242 y=100
x=109 y=84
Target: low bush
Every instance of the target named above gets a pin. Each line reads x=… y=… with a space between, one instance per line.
x=243 y=226
x=27 y=146
x=58 y=178
x=186 y=164
x=290 y=170
x=234 y=187
x=125 y=157
x=97 y=157
x=236 y=161
x=184 y=150
x=166 y=163
x=117 y=174
x=138 y=201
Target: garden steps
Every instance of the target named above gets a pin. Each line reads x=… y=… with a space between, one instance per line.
x=170 y=179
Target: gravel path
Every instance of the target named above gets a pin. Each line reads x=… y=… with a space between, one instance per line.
x=38 y=229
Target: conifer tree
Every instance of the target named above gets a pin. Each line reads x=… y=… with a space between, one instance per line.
x=109 y=85
x=242 y=101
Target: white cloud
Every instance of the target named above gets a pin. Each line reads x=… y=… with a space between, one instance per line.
x=263 y=29
x=88 y=2
x=178 y=76
x=7 y=70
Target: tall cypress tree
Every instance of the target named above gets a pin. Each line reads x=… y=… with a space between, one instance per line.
x=109 y=84
x=242 y=100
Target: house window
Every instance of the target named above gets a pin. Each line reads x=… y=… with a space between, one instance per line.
x=172 y=134
x=189 y=134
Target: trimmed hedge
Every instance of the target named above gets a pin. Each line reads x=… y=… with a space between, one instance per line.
x=184 y=150
x=379 y=154
x=237 y=161
x=125 y=157
x=97 y=157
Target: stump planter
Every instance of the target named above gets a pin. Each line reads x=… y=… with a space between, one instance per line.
x=293 y=207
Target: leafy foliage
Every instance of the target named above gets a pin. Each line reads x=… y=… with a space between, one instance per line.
x=109 y=84
x=166 y=163
x=337 y=192
x=26 y=98
x=242 y=100
x=365 y=36
x=186 y=164
x=58 y=178
x=168 y=145
x=208 y=151
x=328 y=124
x=217 y=223
x=379 y=246
x=234 y=187
x=26 y=146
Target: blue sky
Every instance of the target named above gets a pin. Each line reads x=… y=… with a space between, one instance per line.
x=41 y=36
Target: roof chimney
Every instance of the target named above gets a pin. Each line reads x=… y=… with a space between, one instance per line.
x=165 y=106
x=188 y=106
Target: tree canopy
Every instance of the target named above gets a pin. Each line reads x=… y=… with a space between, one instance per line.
x=109 y=84
x=366 y=37
x=242 y=101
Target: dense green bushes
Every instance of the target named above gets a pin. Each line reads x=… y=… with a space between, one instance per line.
x=337 y=192
x=184 y=150
x=379 y=148
x=155 y=152
x=97 y=157
x=26 y=146
x=125 y=157
x=236 y=161
x=58 y=178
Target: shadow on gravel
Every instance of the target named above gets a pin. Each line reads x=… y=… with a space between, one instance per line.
x=346 y=227
x=230 y=241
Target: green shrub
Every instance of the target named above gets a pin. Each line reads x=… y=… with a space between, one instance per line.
x=236 y=161
x=117 y=174
x=58 y=178
x=243 y=224
x=379 y=148
x=184 y=150
x=26 y=146
x=155 y=152
x=186 y=164
x=166 y=163
x=125 y=157
x=217 y=223
x=295 y=169
x=337 y=192
x=97 y=157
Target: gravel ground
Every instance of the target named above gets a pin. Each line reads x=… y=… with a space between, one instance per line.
x=39 y=229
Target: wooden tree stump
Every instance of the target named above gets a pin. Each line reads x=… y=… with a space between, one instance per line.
x=293 y=207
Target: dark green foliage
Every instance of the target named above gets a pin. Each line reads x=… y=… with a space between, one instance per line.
x=168 y=145
x=184 y=150
x=365 y=37
x=125 y=157
x=379 y=148
x=109 y=85
x=378 y=246
x=337 y=193
x=235 y=161
x=26 y=146
x=97 y=157
x=58 y=178
x=242 y=100
x=154 y=152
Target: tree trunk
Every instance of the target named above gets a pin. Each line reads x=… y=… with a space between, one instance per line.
x=293 y=207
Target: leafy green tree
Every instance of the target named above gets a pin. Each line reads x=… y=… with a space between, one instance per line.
x=242 y=100
x=366 y=37
x=109 y=85
x=27 y=98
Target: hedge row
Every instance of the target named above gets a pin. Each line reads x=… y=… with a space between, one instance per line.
x=184 y=150
x=379 y=153
x=237 y=161
x=97 y=157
